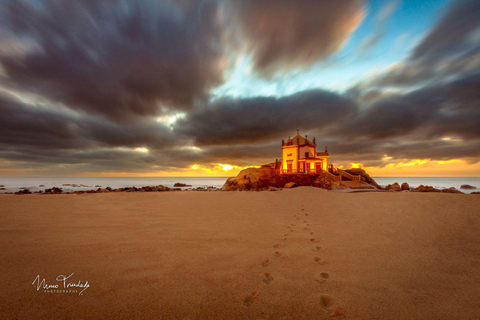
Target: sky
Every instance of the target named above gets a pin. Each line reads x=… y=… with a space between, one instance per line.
x=209 y=87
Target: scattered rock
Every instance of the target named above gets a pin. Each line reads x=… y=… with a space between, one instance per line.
x=98 y=186
x=422 y=188
x=467 y=186
x=2 y=188
x=179 y=184
x=394 y=187
x=451 y=190
x=53 y=190
x=23 y=191
x=405 y=186
x=476 y=192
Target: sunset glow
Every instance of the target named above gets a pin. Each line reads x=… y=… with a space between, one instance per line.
x=219 y=90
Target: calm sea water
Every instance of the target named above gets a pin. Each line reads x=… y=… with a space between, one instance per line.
x=36 y=184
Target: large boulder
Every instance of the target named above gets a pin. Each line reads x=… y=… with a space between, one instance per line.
x=365 y=177
x=467 y=186
x=393 y=187
x=405 y=186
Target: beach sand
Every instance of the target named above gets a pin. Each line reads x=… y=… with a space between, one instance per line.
x=303 y=253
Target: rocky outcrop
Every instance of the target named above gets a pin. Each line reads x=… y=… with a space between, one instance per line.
x=394 y=187
x=365 y=177
x=468 y=187
x=179 y=184
x=53 y=190
x=23 y=191
x=264 y=178
x=422 y=188
x=405 y=186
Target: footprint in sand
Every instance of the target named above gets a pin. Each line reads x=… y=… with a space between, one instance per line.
x=327 y=306
x=267 y=278
x=317 y=248
x=298 y=218
x=311 y=233
x=250 y=299
x=317 y=259
x=278 y=254
x=306 y=214
x=277 y=245
x=324 y=275
x=286 y=234
x=312 y=239
x=265 y=263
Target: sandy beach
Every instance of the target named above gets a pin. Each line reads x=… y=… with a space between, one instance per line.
x=303 y=253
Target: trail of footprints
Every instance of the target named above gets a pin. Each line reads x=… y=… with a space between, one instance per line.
x=326 y=302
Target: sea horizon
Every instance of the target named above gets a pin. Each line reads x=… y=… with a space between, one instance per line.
x=13 y=184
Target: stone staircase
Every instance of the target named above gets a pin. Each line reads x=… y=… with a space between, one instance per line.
x=356 y=185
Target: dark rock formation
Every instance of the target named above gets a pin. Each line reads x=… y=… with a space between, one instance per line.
x=422 y=188
x=364 y=176
x=263 y=178
x=179 y=184
x=23 y=191
x=394 y=187
x=405 y=186
x=467 y=186
x=53 y=190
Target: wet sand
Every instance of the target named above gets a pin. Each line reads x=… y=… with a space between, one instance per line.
x=303 y=253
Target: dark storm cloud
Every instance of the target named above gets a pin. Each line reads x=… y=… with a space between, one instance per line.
x=38 y=128
x=120 y=59
x=254 y=120
x=434 y=111
x=284 y=34
x=102 y=70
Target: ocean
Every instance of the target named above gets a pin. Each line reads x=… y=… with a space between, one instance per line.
x=36 y=184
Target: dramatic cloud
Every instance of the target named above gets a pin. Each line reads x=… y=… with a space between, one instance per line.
x=253 y=120
x=118 y=59
x=120 y=86
x=285 y=34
